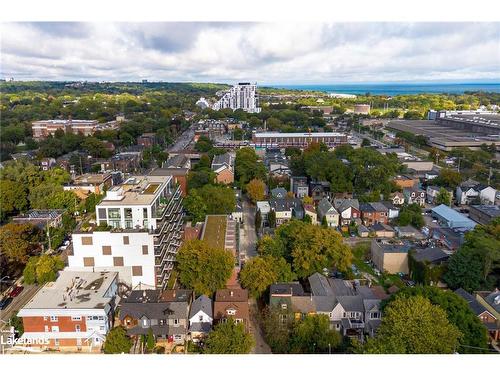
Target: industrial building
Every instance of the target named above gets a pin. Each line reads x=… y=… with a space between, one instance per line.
x=301 y=140
x=450 y=218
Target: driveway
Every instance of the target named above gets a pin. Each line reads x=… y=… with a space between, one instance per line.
x=248 y=237
x=261 y=346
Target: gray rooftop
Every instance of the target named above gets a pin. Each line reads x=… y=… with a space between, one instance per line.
x=474 y=305
x=202 y=303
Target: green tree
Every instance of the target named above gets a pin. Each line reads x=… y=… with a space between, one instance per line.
x=204 y=144
x=42 y=269
x=443 y=197
x=476 y=264
x=324 y=222
x=117 y=341
x=258 y=220
x=474 y=334
x=414 y=326
x=448 y=178
x=411 y=215
x=229 y=338
x=203 y=268
x=17 y=323
x=277 y=327
x=365 y=143
x=248 y=167
x=262 y=271
x=273 y=246
x=13 y=198
x=271 y=219
x=150 y=340
x=314 y=335
x=195 y=206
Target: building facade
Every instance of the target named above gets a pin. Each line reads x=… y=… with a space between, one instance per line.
x=301 y=140
x=241 y=96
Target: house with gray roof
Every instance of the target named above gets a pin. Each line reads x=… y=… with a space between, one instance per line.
x=200 y=318
x=348 y=210
x=326 y=210
x=278 y=192
x=164 y=313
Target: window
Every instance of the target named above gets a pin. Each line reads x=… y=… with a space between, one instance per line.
x=161 y=322
x=77 y=328
x=231 y=312
x=102 y=328
x=136 y=270
x=88 y=261
x=238 y=320
x=56 y=342
x=200 y=318
x=145 y=213
x=106 y=250
x=144 y=249
x=176 y=322
x=114 y=213
x=54 y=329
x=284 y=306
x=86 y=240
x=125 y=240
x=101 y=317
x=374 y=315
x=102 y=213
x=45 y=318
x=54 y=319
x=177 y=337
x=118 y=261
x=46 y=328
x=78 y=342
x=76 y=318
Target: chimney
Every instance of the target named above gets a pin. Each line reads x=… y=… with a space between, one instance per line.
x=231 y=293
x=173 y=294
x=144 y=296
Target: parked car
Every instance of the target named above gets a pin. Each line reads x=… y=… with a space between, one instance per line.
x=16 y=291
x=5 y=302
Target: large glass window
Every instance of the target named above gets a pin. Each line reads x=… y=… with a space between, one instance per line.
x=114 y=213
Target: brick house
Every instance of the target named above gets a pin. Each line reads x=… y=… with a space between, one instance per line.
x=374 y=212
x=231 y=303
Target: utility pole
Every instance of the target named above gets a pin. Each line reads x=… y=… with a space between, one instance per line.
x=489 y=177
x=459 y=164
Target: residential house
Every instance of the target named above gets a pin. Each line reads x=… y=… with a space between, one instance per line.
x=310 y=211
x=165 y=314
x=433 y=191
x=326 y=210
x=397 y=198
x=279 y=192
x=299 y=187
x=484 y=214
x=200 y=318
x=223 y=166
x=231 y=303
x=264 y=208
x=363 y=231
x=390 y=255
x=472 y=191
x=41 y=218
x=414 y=195
x=178 y=161
x=348 y=210
x=47 y=164
x=392 y=210
x=73 y=313
x=374 y=212
x=319 y=190
x=286 y=208
x=96 y=183
x=147 y=140
x=484 y=311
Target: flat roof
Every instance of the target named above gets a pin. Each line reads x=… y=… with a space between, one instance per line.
x=450 y=214
x=91 y=178
x=297 y=135
x=74 y=290
x=136 y=190
x=214 y=231
x=490 y=210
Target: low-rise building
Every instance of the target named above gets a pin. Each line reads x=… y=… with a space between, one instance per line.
x=41 y=218
x=299 y=187
x=414 y=195
x=165 y=314
x=200 y=318
x=405 y=182
x=319 y=190
x=264 y=208
x=397 y=198
x=390 y=255
x=374 y=212
x=327 y=211
x=472 y=191
x=96 y=183
x=310 y=211
x=450 y=218
x=232 y=303
x=484 y=214
x=73 y=313
x=223 y=166
x=382 y=230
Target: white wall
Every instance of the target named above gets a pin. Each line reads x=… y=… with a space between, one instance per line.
x=131 y=253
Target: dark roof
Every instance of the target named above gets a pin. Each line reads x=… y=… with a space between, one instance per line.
x=177 y=161
x=430 y=254
x=351 y=303
x=285 y=204
x=380 y=226
x=204 y=327
x=202 y=303
x=293 y=288
x=493 y=300
x=176 y=295
x=279 y=192
x=231 y=295
x=490 y=210
x=169 y=172
x=474 y=305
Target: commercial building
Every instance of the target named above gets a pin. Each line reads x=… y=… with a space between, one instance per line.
x=450 y=218
x=301 y=140
x=42 y=129
x=138 y=232
x=241 y=96
x=74 y=313
x=362 y=109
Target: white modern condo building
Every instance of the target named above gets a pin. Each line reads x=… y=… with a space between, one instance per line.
x=241 y=96
x=137 y=232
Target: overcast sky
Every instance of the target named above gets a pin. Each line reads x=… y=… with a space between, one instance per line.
x=266 y=53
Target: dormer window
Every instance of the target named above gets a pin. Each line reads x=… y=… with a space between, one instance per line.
x=284 y=306
x=231 y=312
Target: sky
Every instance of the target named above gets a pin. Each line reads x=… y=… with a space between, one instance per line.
x=267 y=53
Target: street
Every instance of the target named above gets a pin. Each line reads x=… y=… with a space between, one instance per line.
x=183 y=140
x=248 y=237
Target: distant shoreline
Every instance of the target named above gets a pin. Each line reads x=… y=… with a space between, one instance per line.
x=395 y=88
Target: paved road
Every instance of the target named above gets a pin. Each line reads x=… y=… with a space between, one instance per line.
x=183 y=140
x=248 y=237
x=18 y=302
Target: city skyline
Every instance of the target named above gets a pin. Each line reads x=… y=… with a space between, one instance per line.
x=269 y=53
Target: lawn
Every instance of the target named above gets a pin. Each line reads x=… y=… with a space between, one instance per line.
x=215 y=231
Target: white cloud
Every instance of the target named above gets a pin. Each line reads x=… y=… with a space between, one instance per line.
x=264 y=52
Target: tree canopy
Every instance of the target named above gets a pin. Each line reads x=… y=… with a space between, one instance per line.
x=256 y=190
x=203 y=268
x=229 y=338
x=413 y=325
x=117 y=341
